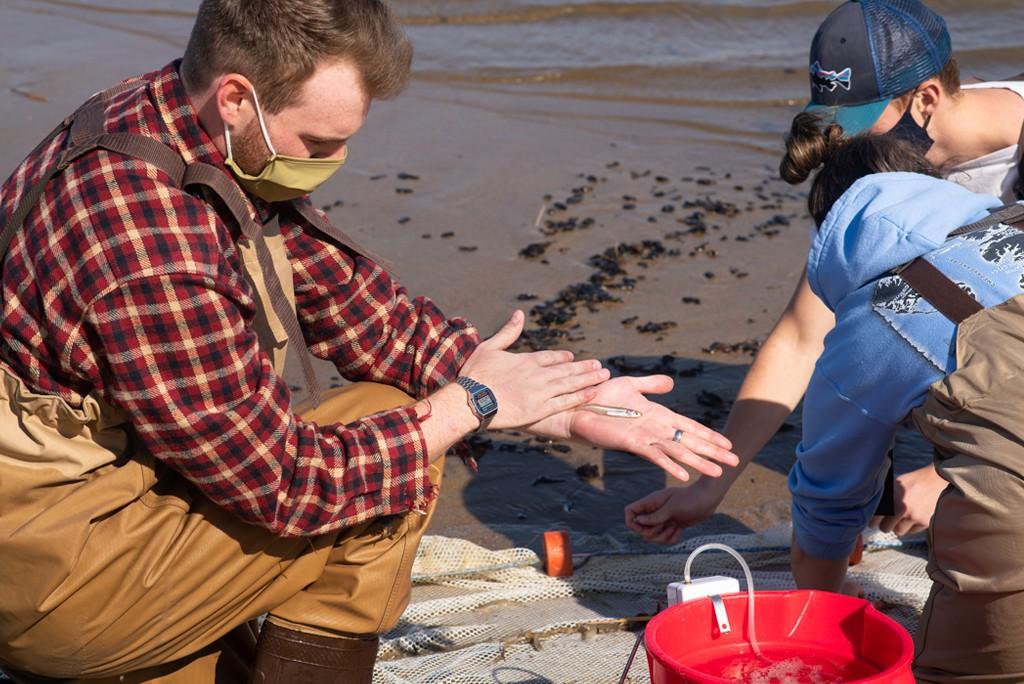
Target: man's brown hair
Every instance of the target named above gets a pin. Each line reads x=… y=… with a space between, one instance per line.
x=278 y=44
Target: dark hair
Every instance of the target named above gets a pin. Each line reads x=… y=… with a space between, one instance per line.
x=850 y=159
x=809 y=138
x=278 y=44
x=808 y=144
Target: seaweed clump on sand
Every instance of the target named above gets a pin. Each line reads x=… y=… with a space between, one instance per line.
x=534 y=250
x=653 y=328
x=695 y=213
x=665 y=365
x=555 y=318
x=750 y=346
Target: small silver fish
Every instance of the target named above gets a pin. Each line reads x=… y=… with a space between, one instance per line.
x=612 y=411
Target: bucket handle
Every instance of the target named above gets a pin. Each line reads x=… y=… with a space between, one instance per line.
x=721 y=606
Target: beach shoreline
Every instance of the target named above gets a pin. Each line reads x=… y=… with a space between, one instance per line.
x=644 y=231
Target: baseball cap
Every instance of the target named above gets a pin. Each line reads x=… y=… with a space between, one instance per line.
x=867 y=52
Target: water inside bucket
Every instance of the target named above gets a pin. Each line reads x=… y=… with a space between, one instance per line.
x=783 y=667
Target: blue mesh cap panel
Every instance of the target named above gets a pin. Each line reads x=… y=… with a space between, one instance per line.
x=909 y=42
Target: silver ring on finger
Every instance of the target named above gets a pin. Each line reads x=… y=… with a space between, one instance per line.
x=678 y=436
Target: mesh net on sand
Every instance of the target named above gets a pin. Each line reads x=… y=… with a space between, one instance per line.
x=485 y=617
x=494 y=617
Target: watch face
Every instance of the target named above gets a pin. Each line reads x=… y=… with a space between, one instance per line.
x=484 y=401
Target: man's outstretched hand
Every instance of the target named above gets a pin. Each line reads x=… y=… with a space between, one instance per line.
x=530 y=386
x=650 y=435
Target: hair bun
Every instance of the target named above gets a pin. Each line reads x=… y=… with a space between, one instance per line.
x=808 y=145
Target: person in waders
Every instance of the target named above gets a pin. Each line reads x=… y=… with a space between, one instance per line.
x=875 y=66
x=926 y=281
x=160 y=257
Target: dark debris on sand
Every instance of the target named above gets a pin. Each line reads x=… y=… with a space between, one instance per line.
x=666 y=365
x=652 y=328
x=555 y=316
x=588 y=472
x=750 y=346
x=534 y=250
x=690 y=204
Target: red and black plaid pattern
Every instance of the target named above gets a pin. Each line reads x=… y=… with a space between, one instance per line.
x=126 y=288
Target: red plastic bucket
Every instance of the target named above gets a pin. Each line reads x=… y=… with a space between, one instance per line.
x=805 y=636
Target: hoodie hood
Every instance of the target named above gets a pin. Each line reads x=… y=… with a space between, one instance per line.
x=883 y=221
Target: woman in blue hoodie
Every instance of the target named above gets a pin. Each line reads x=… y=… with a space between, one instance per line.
x=940 y=344
x=875 y=66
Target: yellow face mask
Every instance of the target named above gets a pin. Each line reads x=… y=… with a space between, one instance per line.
x=283 y=178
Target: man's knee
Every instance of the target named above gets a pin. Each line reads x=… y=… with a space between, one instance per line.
x=366 y=583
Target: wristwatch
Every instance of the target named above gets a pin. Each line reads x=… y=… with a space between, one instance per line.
x=481 y=400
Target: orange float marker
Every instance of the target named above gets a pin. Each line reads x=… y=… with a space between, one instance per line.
x=557 y=553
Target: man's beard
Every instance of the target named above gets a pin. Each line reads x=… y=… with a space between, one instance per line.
x=250 y=150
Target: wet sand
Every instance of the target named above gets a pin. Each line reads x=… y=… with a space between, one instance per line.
x=630 y=225
x=625 y=233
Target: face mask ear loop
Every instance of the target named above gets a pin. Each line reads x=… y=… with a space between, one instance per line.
x=263 y=125
x=227 y=142
x=910 y=106
x=910 y=110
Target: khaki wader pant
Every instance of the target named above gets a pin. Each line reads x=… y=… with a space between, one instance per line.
x=167 y=573
x=972 y=629
x=113 y=566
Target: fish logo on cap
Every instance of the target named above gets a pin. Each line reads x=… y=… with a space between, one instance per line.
x=824 y=79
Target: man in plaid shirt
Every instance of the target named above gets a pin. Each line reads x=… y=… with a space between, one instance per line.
x=157 y=491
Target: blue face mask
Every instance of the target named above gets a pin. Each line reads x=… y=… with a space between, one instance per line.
x=908 y=130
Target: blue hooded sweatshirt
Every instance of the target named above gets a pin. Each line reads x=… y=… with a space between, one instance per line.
x=888 y=345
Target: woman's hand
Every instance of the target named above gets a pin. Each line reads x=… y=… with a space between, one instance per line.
x=916 y=494
x=662 y=516
x=650 y=436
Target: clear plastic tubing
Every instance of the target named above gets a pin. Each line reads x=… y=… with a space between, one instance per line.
x=750 y=585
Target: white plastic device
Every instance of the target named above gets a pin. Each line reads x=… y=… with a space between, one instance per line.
x=714 y=587
x=718 y=585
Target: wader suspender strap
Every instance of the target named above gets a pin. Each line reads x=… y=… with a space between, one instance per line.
x=937 y=288
x=314 y=220
x=940 y=291
x=87 y=134
x=213 y=179
x=1011 y=215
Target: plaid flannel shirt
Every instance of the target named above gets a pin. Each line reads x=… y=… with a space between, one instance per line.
x=126 y=287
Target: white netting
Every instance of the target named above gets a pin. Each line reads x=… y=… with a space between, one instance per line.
x=487 y=617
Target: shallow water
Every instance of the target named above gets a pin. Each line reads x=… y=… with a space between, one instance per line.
x=730 y=72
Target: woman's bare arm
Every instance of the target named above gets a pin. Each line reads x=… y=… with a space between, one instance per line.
x=771 y=390
x=779 y=376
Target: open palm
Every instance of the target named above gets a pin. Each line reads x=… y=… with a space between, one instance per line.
x=650 y=435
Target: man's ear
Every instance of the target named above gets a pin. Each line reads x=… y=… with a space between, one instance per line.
x=928 y=97
x=233 y=101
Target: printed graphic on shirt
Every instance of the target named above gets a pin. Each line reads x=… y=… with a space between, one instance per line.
x=893 y=294
x=824 y=79
x=1005 y=248
x=993 y=256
